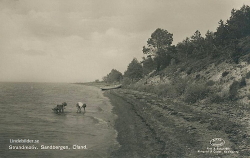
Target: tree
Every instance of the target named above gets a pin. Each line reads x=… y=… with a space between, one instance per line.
x=229 y=35
x=134 y=70
x=148 y=65
x=221 y=35
x=160 y=39
x=162 y=60
x=105 y=79
x=239 y=23
x=184 y=48
x=209 y=45
x=113 y=76
x=196 y=37
x=158 y=46
x=197 y=41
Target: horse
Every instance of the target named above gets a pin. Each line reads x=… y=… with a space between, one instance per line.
x=80 y=105
x=60 y=108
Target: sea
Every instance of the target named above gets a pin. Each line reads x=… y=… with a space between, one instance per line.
x=29 y=127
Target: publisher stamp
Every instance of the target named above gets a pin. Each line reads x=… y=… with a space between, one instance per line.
x=218 y=147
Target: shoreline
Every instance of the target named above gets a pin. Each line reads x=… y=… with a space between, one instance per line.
x=132 y=132
x=149 y=126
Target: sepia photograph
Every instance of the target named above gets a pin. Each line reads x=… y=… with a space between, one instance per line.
x=125 y=79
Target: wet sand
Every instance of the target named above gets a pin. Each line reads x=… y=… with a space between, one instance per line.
x=134 y=136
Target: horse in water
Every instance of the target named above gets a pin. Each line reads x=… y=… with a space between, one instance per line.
x=80 y=105
x=60 y=108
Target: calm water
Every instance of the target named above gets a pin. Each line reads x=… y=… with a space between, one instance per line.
x=26 y=113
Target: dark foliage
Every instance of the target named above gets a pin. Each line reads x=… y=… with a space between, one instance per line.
x=225 y=73
x=242 y=82
x=113 y=76
x=134 y=70
x=159 y=47
x=195 y=92
x=233 y=90
x=225 y=42
x=210 y=83
x=148 y=65
x=248 y=75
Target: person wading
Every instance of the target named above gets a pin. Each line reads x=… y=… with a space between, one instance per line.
x=80 y=105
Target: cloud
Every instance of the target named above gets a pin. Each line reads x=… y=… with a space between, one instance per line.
x=82 y=40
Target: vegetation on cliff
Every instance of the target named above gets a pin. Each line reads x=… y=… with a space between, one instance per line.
x=213 y=67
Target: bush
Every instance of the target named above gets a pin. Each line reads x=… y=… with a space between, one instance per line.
x=195 y=92
x=171 y=90
x=126 y=81
x=146 y=88
x=210 y=83
x=197 y=76
x=225 y=73
x=248 y=75
x=180 y=85
x=161 y=89
x=242 y=82
x=215 y=98
x=189 y=70
x=182 y=68
x=233 y=90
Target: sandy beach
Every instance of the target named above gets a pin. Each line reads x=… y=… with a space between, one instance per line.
x=135 y=138
x=149 y=126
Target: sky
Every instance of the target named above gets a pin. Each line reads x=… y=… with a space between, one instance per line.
x=83 y=40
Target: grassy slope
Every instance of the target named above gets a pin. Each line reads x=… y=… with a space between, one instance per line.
x=186 y=128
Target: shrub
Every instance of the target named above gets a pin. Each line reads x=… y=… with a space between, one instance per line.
x=215 y=98
x=248 y=96
x=189 y=70
x=161 y=89
x=182 y=68
x=197 y=76
x=195 y=92
x=233 y=90
x=149 y=88
x=210 y=83
x=248 y=75
x=242 y=82
x=225 y=73
x=180 y=85
x=126 y=81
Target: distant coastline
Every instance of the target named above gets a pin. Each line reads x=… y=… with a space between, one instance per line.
x=95 y=84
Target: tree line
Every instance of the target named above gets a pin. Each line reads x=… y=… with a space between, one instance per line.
x=230 y=41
